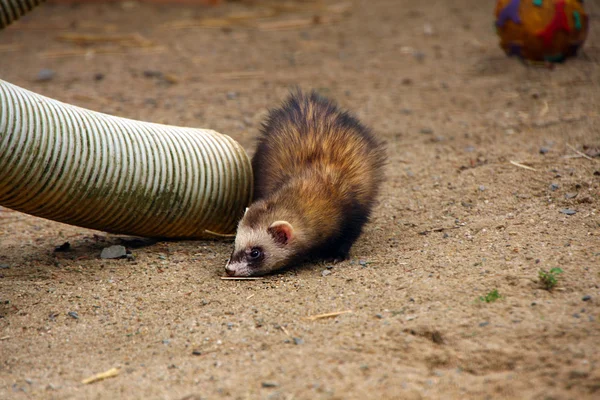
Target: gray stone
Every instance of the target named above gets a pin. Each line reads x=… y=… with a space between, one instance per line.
x=45 y=75
x=116 y=251
x=568 y=211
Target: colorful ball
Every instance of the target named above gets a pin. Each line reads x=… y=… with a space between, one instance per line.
x=541 y=30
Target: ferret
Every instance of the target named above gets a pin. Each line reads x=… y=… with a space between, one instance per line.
x=317 y=172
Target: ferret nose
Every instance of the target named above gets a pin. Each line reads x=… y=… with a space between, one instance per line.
x=229 y=271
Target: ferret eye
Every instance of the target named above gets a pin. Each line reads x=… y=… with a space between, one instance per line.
x=255 y=253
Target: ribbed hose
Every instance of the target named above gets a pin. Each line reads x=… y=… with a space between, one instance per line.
x=12 y=10
x=93 y=170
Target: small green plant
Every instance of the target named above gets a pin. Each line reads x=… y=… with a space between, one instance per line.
x=491 y=296
x=549 y=279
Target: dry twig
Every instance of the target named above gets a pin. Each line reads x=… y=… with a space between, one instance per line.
x=133 y=40
x=101 y=376
x=580 y=153
x=516 y=164
x=241 y=278
x=284 y=330
x=327 y=315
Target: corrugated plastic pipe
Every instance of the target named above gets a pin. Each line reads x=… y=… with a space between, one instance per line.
x=11 y=10
x=84 y=168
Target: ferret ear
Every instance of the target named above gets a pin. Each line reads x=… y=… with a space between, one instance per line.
x=282 y=231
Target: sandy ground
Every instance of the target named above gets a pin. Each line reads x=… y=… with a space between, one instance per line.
x=456 y=220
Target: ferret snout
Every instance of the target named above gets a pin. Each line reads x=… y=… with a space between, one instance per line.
x=228 y=270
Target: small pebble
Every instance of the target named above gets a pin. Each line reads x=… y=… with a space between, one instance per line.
x=196 y=352
x=419 y=56
x=481 y=188
x=231 y=95
x=554 y=187
x=166 y=341
x=570 y=195
x=326 y=272
x=544 y=150
x=73 y=314
x=298 y=341
x=379 y=316
x=269 y=384
x=426 y=131
x=45 y=75
x=482 y=324
x=568 y=211
x=99 y=76
x=329 y=267
x=153 y=74
x=4 y=266
x=362 y=262
x=587 y=297
x=533 y=303
x=111 y=252
x=576 y=315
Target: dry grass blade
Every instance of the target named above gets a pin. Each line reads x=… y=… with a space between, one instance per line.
x=284 y=330
x=133 y=40
x=238 y=19
x=286 y=24
x=252 y=14
x=580 y=153
x=327 y=315
x=241 y=74
x=110 y=50
x=544 y=109
x=101 y=376
x=296 y=23
x=516 y=164
x=241 y=278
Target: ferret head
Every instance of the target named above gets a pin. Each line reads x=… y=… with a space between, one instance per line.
x=260 y=246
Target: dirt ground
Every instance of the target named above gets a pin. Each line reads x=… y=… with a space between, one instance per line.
x=456 y=220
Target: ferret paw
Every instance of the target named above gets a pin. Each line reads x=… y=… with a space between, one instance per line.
x=338 y=258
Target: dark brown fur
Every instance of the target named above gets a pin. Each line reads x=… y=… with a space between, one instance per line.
x=320 y=169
